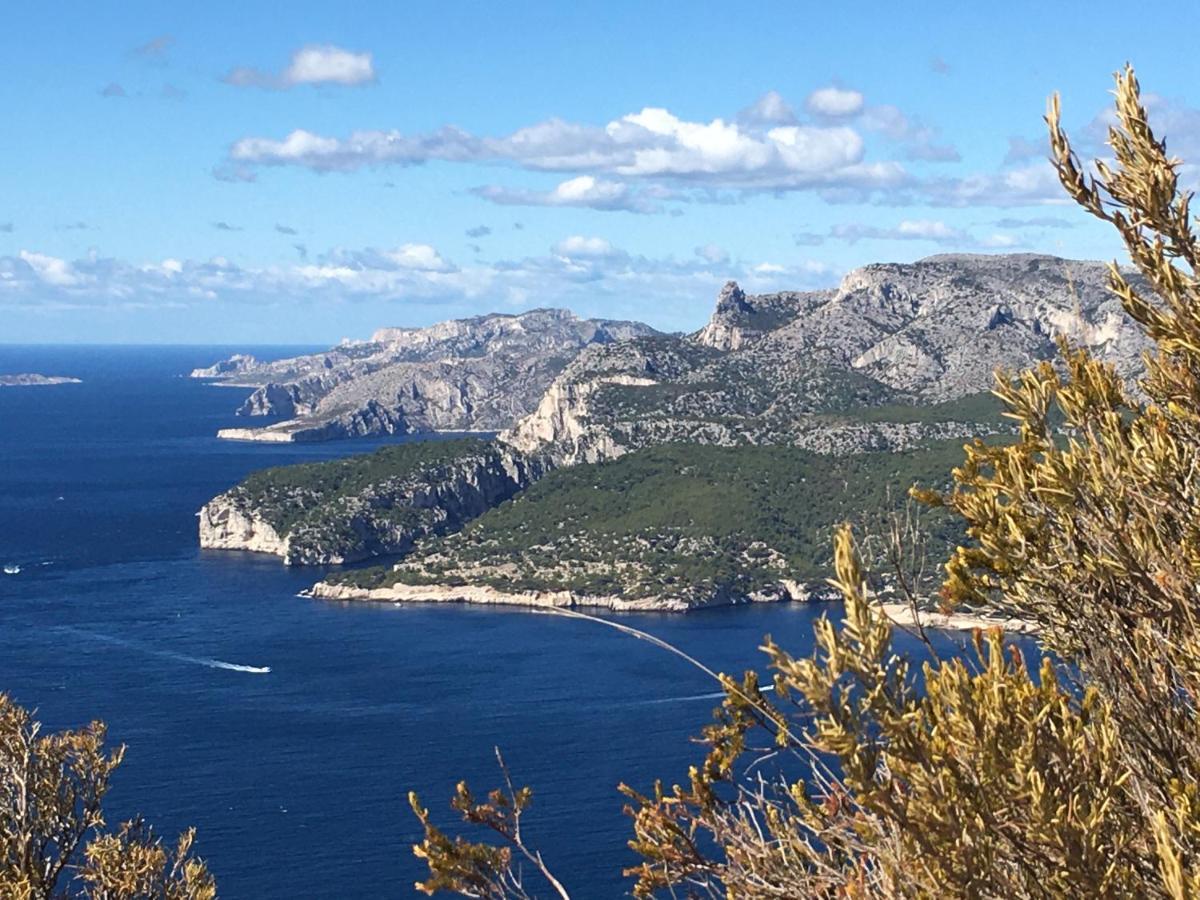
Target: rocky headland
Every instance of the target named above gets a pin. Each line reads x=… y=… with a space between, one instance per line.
x=29 y=379
x=847 y=396
x=467 y=375
x=374 y=505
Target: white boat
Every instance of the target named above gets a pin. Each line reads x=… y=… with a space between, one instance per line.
x=12 y=570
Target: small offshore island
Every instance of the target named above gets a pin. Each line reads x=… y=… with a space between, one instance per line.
x=28 y=379
x=637 y=471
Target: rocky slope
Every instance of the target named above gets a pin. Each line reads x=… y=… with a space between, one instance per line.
x=373 y=505
x=895 y=340
x=676 y=527
x=479 y=374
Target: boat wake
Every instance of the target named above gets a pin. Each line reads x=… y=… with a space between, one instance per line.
x=166 y=654
x=714 y=695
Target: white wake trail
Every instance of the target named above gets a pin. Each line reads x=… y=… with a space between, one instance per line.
x=166 y=654
x=711 y=696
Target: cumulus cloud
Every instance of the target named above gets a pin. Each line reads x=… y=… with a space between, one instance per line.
x=583 y=272
x=1033 y=184
x=50 y=270
x=580 y=247
x=652 y=144
x=285 y=229
x=478 y=231
x=225 y=226
x=112 y=89
x=908 y=230
x=315 y=64
x=583 y=191
x=648 y=161
x=834 y=102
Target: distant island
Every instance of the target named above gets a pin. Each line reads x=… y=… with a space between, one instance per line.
x=636 y=470
x=29 y=379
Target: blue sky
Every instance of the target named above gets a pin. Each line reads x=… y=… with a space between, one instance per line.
x=257 y=172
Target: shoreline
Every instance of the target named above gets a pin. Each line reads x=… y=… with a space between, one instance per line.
x=482 y=595
x=901 y=615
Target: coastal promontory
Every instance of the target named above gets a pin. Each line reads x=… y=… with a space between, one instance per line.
x=29 y=379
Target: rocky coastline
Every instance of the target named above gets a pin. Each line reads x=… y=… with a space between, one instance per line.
x=31 y=379
x=485 y=595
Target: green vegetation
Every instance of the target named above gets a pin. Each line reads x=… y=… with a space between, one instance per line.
x=983 y=408
x=288 y=496
x=679 y=521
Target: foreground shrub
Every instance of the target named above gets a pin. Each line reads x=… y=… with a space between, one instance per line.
x=980 y=778
x=52 y=838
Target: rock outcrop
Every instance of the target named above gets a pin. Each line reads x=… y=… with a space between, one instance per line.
x=30 y=379
x=479 y=374
x=234 y=365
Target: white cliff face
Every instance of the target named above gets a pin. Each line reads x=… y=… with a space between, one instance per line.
x=384 y=517
x=561 y=418
x=723 y=331
x=237 y=363
x=227 y=524
x=486 y=595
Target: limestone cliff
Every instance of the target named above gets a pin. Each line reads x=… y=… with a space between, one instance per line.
x=376 y=505
x=878 y=363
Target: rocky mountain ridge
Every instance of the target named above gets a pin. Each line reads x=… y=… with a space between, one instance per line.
x=478 y=374
x=799 y=368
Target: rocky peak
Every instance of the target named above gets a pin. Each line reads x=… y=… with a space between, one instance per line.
x=732 y=299
x=724 y=329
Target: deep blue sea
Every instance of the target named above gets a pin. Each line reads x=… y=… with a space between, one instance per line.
x=296 y=779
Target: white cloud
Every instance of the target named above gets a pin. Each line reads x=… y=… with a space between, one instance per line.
x=582 y=191
x=421 y=257
x=834 y=102
x=926 y=229
x=315 y=64
x=579 y=247
x=50 y=269
x=650 y=145
x=327 y=64
x=586 y=273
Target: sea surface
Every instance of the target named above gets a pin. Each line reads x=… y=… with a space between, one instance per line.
x=296 y=778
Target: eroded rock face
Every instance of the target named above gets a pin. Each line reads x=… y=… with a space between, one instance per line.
x=228 y=523
x=778 y=368
x=479 y=374
x=308 y=525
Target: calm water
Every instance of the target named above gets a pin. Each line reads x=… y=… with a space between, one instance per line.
x=296 y=779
